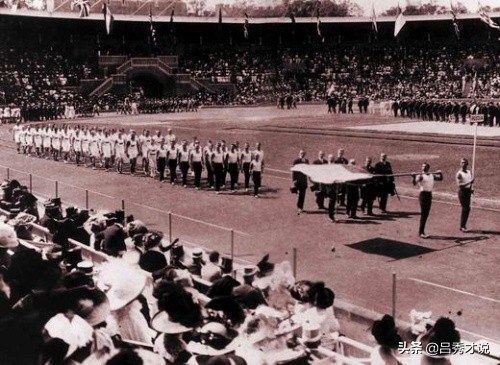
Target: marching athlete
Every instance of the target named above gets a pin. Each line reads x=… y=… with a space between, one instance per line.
x=232 y=162
x=196 y=162
x=132 y=151
x=119 y=148
x=183 y=162
x=172 y=157
x=245 y=159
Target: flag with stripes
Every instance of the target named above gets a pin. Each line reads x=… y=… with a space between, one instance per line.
x=108 y=18
x=152 y=30
x=455 y=22
x=374 y=22
x=245 y=27
x=487 y=20
x=83 y=6
x=400 y=21
x=318 y=26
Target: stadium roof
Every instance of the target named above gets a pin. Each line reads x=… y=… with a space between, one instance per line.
x=97 y=15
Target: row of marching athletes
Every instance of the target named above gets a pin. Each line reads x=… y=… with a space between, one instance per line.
x=107 y=147
x=217 y=160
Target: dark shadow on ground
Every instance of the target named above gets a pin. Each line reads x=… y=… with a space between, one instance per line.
x=396 y=250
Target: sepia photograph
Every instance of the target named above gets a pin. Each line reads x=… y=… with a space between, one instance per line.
x=249 y=182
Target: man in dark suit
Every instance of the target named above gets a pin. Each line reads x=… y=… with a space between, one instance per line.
x=300 y=181
x=319 y=188
x=385 y=185
x=341 y=160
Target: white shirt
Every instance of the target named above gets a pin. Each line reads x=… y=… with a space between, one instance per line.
x=427 y=182
x=246 y=156
x=465 y=178
x=256 y=165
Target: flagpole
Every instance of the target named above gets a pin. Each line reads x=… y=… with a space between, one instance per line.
x=474 y=148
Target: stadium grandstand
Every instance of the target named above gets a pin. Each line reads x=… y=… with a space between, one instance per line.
x=102 y=287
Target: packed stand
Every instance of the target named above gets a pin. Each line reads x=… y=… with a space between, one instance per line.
x=152 y=301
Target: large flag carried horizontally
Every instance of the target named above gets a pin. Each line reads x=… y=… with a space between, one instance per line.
x=374 y=22
x=400 y=21
x=83 y=6
x=152 y=30
x=455 y=22
x=108 y=18
x=245 y=27
x=486 y=19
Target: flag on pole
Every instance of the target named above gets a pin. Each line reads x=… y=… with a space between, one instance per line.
x=83 y=6
x=374 y=22
x=487 y=20
x=318 y=26
x=151 y=27
x=245 y=27
x=108 y=18
x=400 y=21
x=455 y=22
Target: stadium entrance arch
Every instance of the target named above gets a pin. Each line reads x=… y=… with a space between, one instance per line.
x=151 y=83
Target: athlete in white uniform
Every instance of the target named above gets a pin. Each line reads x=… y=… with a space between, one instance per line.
x=55 y=141
x=145 y=142
x=120 y=145
x=76 y=142
x=106 y=149
x=16 y=132
x=65 y=144
x=132 y=150
x=152 y=154
x=37 y=140
x=95 y=153
x=86 y=136
x=46 y=134
x=29 y=140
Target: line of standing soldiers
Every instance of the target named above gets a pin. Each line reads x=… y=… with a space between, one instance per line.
x=446 y=111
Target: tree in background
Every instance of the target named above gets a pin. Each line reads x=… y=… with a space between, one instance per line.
x=427 y=9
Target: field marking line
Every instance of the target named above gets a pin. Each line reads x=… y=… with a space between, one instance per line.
x=193 y=219
x=276 y=170
x=455 y=290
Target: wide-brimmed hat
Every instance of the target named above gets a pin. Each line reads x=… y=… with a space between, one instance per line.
x=153 y=261
x=162 y=322
x=248 y=296
x=265 y=267
x=230 y=307
x=249 y=270
x=227 y=359
x=89 y=303
x=197 y=253
x=121 y=283
x=214 y=340
x=8 y=237
x=152 y=239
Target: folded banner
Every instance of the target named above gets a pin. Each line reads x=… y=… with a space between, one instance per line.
x=332 y=174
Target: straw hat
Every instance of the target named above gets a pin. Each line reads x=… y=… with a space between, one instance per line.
x=162 y=322
x=121 y=283
x=8 y=237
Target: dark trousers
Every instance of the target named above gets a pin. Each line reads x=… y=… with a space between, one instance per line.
x=184 y=166
x=210 y=175
x=301 y=197
x=257 y=179
x=464 y=196
x=218 y=174
x=246 y=172
x=320 y=199
x=232 y=168
x=224 y=175
x=425 y=200
x=133 y=163
x=197 y=168
x=383 y=201
x=172 y=166
x=160 y=166
x=352 y=203
x=331 y=206
x=368 y=197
